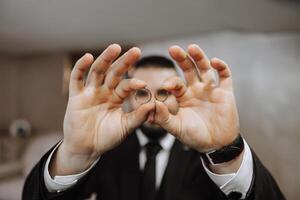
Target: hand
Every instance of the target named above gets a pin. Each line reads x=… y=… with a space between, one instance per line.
x=94 y=121
x=207 y=118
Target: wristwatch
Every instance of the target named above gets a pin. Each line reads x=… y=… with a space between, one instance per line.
x=226 y=153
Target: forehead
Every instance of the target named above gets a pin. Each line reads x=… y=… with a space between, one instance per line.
x=154 y=76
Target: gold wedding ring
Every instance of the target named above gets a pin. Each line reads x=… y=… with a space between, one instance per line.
x=144 y=95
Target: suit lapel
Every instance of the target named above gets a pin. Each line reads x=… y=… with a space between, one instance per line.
x=174 y=173
x=129 y=169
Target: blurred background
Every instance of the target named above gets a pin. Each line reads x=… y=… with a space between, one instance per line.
x=41 y=39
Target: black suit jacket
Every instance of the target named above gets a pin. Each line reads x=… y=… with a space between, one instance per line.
x=117 y=177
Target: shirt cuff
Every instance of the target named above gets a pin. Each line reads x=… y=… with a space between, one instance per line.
x=61 y=183
x=235 y=182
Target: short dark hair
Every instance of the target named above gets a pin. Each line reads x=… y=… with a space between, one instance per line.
x=154 y=61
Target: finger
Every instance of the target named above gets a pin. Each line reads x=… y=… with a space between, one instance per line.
x=223 y=72
x=138 y=116
x=210 y=82
x=125 y=87
x=176 y=86
x=120 y=66
x=166 y=120
x=78 y=72
x=185 y=63
x=101 y=64
x=202 y=62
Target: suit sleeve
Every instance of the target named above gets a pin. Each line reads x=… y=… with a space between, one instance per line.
x=264 y=185
x=35 y=188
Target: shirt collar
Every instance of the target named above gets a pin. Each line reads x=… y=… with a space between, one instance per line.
x=166 y=142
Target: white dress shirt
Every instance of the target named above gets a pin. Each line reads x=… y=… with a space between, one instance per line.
x=162 y=156
x=235 y=182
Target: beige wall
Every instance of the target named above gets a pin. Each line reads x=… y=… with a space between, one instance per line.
x=8 y=89
x=31 y=88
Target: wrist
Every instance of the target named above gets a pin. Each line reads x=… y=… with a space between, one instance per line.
x=65 y=162
x=226 y=153
x=229 y=167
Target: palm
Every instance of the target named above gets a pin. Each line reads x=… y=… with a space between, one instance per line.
x=94 y=121
x=90 y=122
x=207 y=118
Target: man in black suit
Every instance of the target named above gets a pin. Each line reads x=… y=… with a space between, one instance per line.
x=181 y=140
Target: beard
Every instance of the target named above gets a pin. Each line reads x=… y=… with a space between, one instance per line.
x=152 y=131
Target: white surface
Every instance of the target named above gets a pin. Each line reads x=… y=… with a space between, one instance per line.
x=41 y=25
x=12 y=189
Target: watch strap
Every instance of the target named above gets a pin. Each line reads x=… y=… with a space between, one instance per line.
x=226 y=153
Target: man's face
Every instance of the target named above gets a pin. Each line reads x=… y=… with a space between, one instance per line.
x=154 y=77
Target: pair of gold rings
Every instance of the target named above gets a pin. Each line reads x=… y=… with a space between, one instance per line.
x=144 y=95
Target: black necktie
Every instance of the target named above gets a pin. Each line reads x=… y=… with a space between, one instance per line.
x=148 y=190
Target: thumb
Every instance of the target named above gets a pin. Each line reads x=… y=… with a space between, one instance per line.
x=166 y=120
x=138 y=116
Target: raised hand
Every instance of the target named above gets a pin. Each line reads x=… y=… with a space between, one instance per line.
x=207 y=118
x=94 y=121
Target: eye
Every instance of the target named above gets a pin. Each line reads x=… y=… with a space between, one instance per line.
x=142 y=93
x=142 y=96
x=162 y=95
